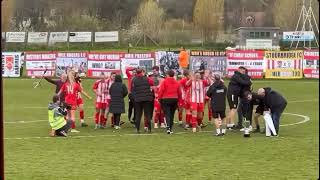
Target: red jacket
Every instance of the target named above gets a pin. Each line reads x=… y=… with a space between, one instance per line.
x=129 y=75
x=169 y=88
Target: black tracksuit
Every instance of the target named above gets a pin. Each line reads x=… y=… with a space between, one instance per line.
x=237 y=82
x=245 y=107
x=143 y=100
x=276 y=103
x=217 y=92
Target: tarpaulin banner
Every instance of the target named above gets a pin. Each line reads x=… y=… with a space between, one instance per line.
x=284 y=64
x=311 y=64
x=11 y=63
x=103 y=62
x=76 y=61
x=142 y=60
x=37 y=37
x=250 y=59
x=214 y=61
x=168 y=60
x=38 y=62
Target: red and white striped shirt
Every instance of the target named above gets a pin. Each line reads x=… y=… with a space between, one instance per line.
x=103 y=94
x=197 y=91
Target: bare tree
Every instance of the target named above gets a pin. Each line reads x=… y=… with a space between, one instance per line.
x=207 y=18
x=286 y=13
x=149 y=20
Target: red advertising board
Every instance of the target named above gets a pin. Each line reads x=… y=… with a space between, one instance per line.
x=251 y=59
x=311 y=64
x=39 y=62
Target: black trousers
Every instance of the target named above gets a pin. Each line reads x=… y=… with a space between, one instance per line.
x=245 y=109
x=131 y=108
x=144 y=107
x=169 y=107
x=117 y=119
x=65 y=128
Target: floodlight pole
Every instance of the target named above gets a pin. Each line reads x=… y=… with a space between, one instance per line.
x=306 y=16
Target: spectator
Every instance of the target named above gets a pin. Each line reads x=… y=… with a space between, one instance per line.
x=118 y=91
x=169 y=92
x=143 y=98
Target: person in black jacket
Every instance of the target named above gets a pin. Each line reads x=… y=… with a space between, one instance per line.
x=237 y=82
x=217 y=92
x=143 y=98
x=275 y=103
x=118 y=91
x=58 y=84
x=245 y=107
x=256 y=100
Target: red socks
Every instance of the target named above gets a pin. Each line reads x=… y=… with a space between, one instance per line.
x=194 y=122
x=73 y=125
x=180 y=115
x=96 y=117
x=188 y=118
x=82 y=115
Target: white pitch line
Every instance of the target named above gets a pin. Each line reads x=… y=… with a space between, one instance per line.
x=305 y=119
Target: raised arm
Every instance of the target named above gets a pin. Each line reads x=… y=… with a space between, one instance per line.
x=50 y=80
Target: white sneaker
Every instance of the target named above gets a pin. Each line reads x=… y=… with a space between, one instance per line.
x=242 y=129
x=117 y=127
x=155 y=126
x=162 y=125
x=145 y=129
x=250 y=128
x=74 y=131
x=194 y=130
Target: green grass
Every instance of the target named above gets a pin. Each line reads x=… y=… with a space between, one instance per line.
x=105 y=154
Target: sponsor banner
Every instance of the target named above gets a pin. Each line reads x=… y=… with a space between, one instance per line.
x=104 y=62
x=58 y=37
x=37 y=37
x=215 y=61
x=298 y=36
x=80 y=37
x=142 y=60
x=311 y=64
x=168 y=60
x=112 y=36
x=284 y=64
x=11 y=63
x=15 y=37
x=38 y=62
x=259 y=43
x=76 y=61
x=251 y=59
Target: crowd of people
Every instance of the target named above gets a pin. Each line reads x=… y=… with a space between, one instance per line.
x=156 y=99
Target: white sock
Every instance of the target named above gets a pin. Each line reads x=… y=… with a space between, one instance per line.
x=223 y=131
x=218 y=131
x=81 y=120
x=228 y=125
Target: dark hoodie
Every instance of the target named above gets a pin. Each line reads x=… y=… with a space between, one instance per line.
x=274 y=100
x=217 y=92
x=237 y=82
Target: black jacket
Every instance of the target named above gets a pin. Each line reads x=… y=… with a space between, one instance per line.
x=274 y=100
x=245 y=88
x=141 y=90
x=237 y=82
x=217 y=92
x=117 y=92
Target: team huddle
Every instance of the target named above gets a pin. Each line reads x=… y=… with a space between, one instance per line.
x=157 y=98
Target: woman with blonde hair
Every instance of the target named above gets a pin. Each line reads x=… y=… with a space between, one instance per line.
x=71 y=89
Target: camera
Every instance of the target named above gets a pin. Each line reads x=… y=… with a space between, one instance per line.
x=65 y=106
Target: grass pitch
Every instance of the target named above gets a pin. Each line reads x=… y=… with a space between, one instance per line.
x=106 y=154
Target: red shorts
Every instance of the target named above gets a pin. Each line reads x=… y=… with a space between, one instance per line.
x=199 y=107
x=187 y=105
x=79 y=101
x=157 y=106
x=101 y=105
